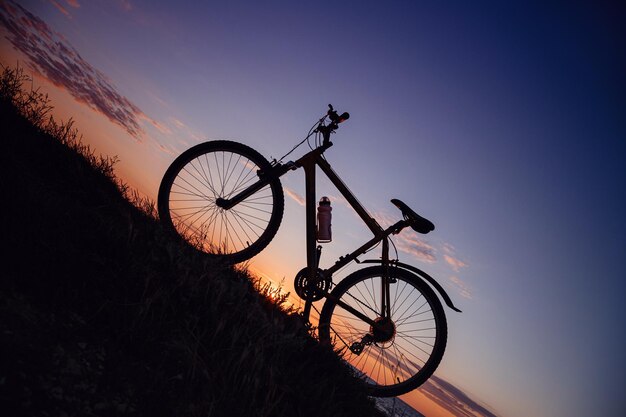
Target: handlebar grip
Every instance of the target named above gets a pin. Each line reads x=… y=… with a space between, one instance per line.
x=334 y=117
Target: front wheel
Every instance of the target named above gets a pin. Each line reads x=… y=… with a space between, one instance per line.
x=220 y=170
x=404 y=350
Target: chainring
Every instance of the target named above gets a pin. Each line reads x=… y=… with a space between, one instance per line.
x=311 y=293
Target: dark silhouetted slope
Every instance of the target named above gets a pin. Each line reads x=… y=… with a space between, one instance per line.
x=103 y=313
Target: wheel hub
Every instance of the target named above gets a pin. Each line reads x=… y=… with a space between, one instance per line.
x=384 y=331
x=220 y=202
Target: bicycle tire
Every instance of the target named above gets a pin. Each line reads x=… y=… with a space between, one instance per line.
x=201 y=174
x=341 y=329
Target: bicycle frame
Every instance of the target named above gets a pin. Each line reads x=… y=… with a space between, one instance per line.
x=309 y=162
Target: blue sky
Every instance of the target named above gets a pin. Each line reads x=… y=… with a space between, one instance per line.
x=502 y=123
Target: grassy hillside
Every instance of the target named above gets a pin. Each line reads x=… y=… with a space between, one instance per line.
x=103 y=313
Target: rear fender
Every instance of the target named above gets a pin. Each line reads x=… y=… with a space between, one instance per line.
x=432 y=282
x=424 y=276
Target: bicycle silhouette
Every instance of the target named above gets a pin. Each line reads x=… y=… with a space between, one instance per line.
x=385 y=319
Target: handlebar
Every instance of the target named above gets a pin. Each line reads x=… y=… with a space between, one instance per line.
x=335 y=120
x=325 y=130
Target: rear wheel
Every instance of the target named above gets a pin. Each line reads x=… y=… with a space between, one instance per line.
x=402 y=351
x=210 y=171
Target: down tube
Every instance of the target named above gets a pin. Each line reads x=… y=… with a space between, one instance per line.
x=345 y=191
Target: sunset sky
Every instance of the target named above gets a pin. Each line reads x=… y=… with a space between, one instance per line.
x=504 y=124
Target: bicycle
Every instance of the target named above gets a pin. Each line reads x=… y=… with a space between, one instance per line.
x=385 y=319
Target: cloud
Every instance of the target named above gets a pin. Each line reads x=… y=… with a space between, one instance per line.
x=448 y=248
x=453 y=399
x=186 y=131
x=73 y=3
x=178 y=123
x=165 y=149
x=385 y=219
x=409 y=242
x=61 y=8
x=451 y=259
x=455 y=264
x=161 y=127
x=338 y=198
x=53 y=57
x=295 y=196
x=463 y=289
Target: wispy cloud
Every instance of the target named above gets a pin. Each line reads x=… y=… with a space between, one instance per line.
x=338 y=198
x=408 y=242
x=451 y=258
x=295 y=196
x=455 y=264
x=160 y=126
x=453 y=399
x=178 y=123
x=413 y=244
x=166 y=149
x=61 y=8
x=385 y=219
x=186 y=131
x=53 y=57
x=463 y=289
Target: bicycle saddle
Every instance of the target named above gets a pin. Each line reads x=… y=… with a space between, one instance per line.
x=417 y=222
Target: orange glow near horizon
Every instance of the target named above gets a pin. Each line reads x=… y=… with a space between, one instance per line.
x=425 y=405
x=259 y=268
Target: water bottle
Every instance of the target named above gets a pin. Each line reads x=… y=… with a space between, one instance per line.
x=324 y=234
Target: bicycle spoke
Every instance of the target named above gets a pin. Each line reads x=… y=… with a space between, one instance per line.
x=402 y=303
x=200 y=193
x=398 y=322
x=254 y=208
x=243 y=230
x=395 y=300
x=404 y=313
x=202 y=175
x=248 y=223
